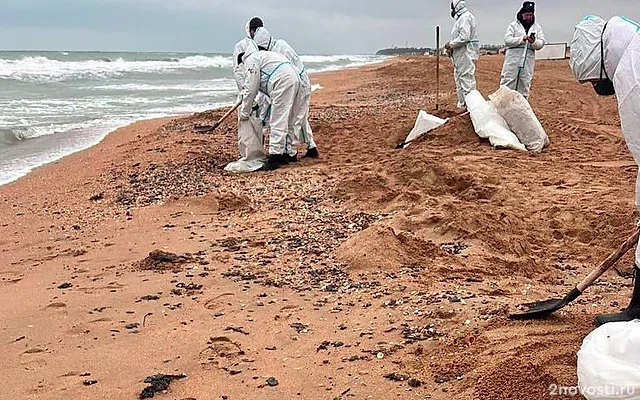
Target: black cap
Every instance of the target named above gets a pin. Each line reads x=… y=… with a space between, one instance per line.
x=528 y=6
x=255 y=23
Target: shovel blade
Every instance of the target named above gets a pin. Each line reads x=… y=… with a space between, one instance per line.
x=540 y=309
x=203 y=128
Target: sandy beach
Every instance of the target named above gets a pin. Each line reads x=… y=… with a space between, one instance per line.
x=370 y=273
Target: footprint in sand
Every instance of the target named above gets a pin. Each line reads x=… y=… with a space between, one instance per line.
x=220 y=350
x=31 y=360
x=218 y=302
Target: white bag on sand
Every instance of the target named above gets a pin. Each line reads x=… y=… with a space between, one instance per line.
x=250 y=146
x=424 y=123
x=488 y=124
x=609 y=362
x=522 y=121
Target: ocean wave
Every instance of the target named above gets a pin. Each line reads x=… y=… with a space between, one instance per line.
x=214 y=85
x=20 y=133
x=352 y=64
x=157 y=108
x=338 y=59
x=43 y=69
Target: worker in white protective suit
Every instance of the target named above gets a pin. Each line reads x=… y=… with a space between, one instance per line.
x=463 y=48
x=607 y=55
x=252 y=25
x=273 y=75
x=302 y=129
x=250 y=132
x=523 y=38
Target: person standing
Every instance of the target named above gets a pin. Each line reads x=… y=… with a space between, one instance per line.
x=523 y=38
x=463 y=48
x=607 y=55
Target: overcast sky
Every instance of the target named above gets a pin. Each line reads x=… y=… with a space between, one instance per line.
x=312 y=27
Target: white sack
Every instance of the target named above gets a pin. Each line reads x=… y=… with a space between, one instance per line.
x=424 y=123
x=488 y=124
x=609 y=362
x=250 y=146
x=522 y=121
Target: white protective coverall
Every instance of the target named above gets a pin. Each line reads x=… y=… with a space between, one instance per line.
x=250 y=132
x=465 y=46
x=273 y=75
x=303 y=132
x=517 y=62
x=239 y=76
x=621 y=42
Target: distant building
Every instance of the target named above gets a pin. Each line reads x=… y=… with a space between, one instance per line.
x=553 y=51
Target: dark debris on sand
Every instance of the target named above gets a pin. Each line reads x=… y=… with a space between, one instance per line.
x=159 y=260
x=158 y=383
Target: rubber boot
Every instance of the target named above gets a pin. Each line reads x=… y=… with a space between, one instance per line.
x=628 y=314
x=292 y=159
x=274 y=161
x=311 y=153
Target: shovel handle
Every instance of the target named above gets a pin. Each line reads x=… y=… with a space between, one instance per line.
x=437 y=67
x=217 y=124
x=610 y=261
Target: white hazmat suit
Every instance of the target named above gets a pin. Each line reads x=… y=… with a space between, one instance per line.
x=274 y=76
x=239 y=75
x=464 y=44
x=520 y=57
x=250 y=132
x=303 y=131
x=621 y=48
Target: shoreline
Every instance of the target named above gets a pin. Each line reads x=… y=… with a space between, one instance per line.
x=111 y=131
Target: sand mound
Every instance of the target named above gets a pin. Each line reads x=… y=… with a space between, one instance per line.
x=510 y=362
x=159 y=260
x=371 y=183
x=381 y=247
x=222 y=201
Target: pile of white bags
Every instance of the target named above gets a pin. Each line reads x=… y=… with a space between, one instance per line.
x=609 y=362
x=488 y=123
x=522 y=121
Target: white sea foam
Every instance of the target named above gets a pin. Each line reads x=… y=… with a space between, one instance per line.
x=43 y=69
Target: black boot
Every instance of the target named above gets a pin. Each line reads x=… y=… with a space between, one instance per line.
x=274 y=161
x=311 y=153
x=630 y=313
x=292 y=159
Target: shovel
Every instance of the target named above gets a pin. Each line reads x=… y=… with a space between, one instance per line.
x=543 y=309
x=211 y=128
x=524 y=60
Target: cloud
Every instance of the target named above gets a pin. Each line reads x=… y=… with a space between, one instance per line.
x=319 y=27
